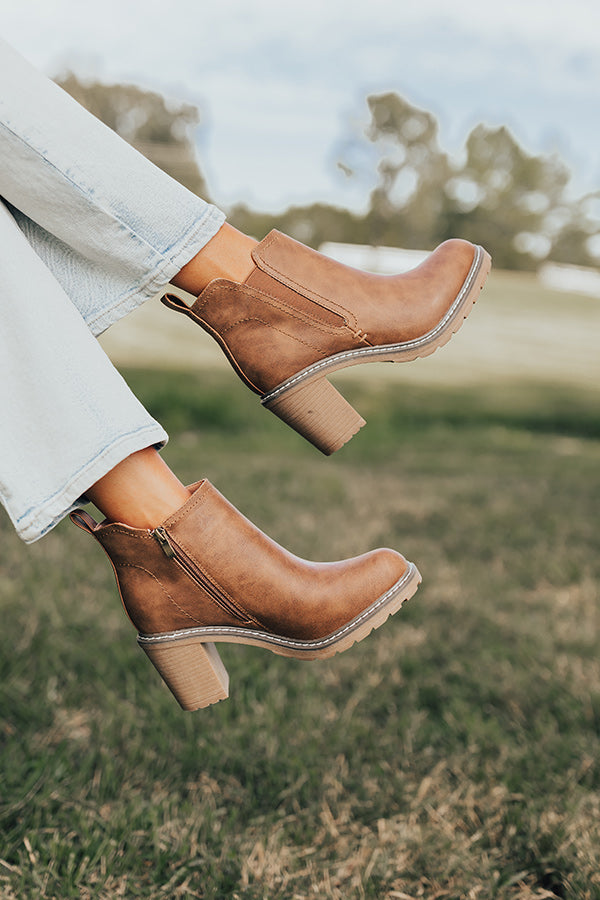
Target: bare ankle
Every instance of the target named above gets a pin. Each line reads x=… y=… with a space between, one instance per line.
x=141 y=491
x=227 y=255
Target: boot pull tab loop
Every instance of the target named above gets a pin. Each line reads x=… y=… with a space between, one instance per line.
x=172 y=301
x=83 y=520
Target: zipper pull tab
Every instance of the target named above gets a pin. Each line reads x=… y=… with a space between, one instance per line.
x=163 y=539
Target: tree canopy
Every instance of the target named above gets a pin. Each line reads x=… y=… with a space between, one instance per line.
x=160 y=129
x=495 y=193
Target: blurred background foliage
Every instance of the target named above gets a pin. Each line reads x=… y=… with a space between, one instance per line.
x=160 y=129
x=519 y=206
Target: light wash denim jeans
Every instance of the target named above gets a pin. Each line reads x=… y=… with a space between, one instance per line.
x=88 y=231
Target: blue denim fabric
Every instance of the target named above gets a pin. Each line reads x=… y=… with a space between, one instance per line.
x=89 y=231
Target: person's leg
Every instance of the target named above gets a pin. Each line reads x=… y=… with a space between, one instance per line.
x=112 y=228
x=227 y=255
x=140 y=491
x=190 y=568
x=67 y=415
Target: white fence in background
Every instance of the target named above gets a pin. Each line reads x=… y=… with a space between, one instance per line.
x=392 y=260
x=571 y=279
x=383 y=260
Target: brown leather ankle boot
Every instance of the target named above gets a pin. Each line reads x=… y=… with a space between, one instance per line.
x=208 y=574
x=300 y=316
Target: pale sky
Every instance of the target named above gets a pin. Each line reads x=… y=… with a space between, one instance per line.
x=281 y=87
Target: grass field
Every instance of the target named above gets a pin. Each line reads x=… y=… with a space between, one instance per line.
x=455 y=753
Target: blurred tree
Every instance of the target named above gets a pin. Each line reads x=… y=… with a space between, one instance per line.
x=514 y=203
x=506 y=199
x=578 y=238
x=408 y=202
x=158 y=128
x=313 y=224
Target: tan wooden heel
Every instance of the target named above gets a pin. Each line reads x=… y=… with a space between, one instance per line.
x=191 y=669
x=318 y=412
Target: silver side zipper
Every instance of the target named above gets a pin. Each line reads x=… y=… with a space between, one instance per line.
x=162 y=537
x=192 y=571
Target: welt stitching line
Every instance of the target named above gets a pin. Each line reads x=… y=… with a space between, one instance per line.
x=310 y=645
x=379 y=350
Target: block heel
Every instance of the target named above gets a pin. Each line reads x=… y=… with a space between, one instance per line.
x=318 y=412
x=191 y=669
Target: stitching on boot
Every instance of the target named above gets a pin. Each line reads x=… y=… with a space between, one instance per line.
x=220 y=588
x=137 y=533
x=198 y=497
x=302 y=289
x=282 y=305
x=294 y=313
x=315 y=327
x=292 y=337
x=334 y=637
x=162 y=587
x=286 y=279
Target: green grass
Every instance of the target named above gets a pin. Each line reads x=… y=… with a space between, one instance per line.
x=455 y=753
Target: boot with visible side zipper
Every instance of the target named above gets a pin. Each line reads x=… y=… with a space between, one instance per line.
x=300 y=316
x=207 y=574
